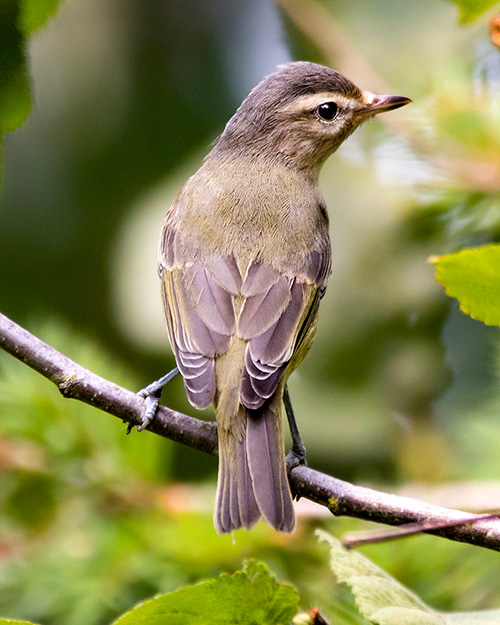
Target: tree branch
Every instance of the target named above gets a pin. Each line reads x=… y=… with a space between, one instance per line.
x=341 y=498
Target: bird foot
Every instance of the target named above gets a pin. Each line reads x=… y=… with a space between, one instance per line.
x=151 y=403
x=296 y=457
x=152 y=396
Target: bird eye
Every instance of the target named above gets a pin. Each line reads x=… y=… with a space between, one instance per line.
x=327 y=111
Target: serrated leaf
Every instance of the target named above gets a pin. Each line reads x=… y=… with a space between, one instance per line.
x=383 y=600
x=379 y=597
x=249 y=597
x=472 y=9
x=473 y=277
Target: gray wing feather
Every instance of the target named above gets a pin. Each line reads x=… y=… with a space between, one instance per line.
x=268 y=354
x=200 y=300
x=262 y=310
x=259 y=279
x=276 y=344
x=226 y=273
x=213 y=304
x=194 y=343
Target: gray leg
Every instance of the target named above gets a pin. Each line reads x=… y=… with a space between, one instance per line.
x=152 y=395
x=297 y=454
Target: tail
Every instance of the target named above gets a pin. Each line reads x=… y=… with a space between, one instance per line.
x=253 y=480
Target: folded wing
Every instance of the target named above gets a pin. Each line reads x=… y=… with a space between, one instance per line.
x=208 y=303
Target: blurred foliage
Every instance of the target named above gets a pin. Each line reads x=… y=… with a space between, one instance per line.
x=14 y=94
x=18 y=19
x=91 y=521
x=34 y=13
x=400 y=386
x=472 y=9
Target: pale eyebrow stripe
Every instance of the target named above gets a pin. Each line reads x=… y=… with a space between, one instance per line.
x=311 y=101
x=368 y=97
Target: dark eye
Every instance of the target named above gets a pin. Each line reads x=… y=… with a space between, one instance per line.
x=327 y=111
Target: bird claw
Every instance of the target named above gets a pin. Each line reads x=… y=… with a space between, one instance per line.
x=152 y=395
x=151 y=403
x=296 y=457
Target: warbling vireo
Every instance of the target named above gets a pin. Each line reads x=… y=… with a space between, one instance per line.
x=244 y=260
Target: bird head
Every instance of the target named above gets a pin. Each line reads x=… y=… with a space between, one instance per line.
x=301 y=113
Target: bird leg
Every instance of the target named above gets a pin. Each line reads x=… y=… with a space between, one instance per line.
x=297 y=454
x=152 y=395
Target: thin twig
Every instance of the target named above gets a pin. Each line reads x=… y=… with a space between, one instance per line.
x=341 y=498
x=371 y=537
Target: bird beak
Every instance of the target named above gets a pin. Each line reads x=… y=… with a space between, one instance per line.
x=380 y=103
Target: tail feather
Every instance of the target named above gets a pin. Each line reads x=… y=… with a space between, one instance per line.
x=235 y=504
x=267 y=467
x=252 y=479
x=222 y=520
x=248 y=508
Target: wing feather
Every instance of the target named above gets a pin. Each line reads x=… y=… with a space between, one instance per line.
x=260 y=311
x=226 y=273
x=259 y=279
x=213 y=303
x=195 y=345
x=269 y=351
x=275 y=312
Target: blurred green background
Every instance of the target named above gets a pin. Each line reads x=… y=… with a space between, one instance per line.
x=400 y=390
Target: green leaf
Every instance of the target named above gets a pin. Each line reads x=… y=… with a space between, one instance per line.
x=14 y=91
x=472 y=9
x=473 y=277
x=18 y=18
x=383 y=600
x=379 y=597
x=34 y=13
x=249 y=597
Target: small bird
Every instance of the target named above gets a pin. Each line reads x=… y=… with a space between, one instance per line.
x=244 y=260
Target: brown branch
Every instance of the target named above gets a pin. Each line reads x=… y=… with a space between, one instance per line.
x=341 y=498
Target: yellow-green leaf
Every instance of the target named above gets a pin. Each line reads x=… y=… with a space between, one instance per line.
x=34 y=13
x=473 y=277
x=472 y=9
x=382 y=600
